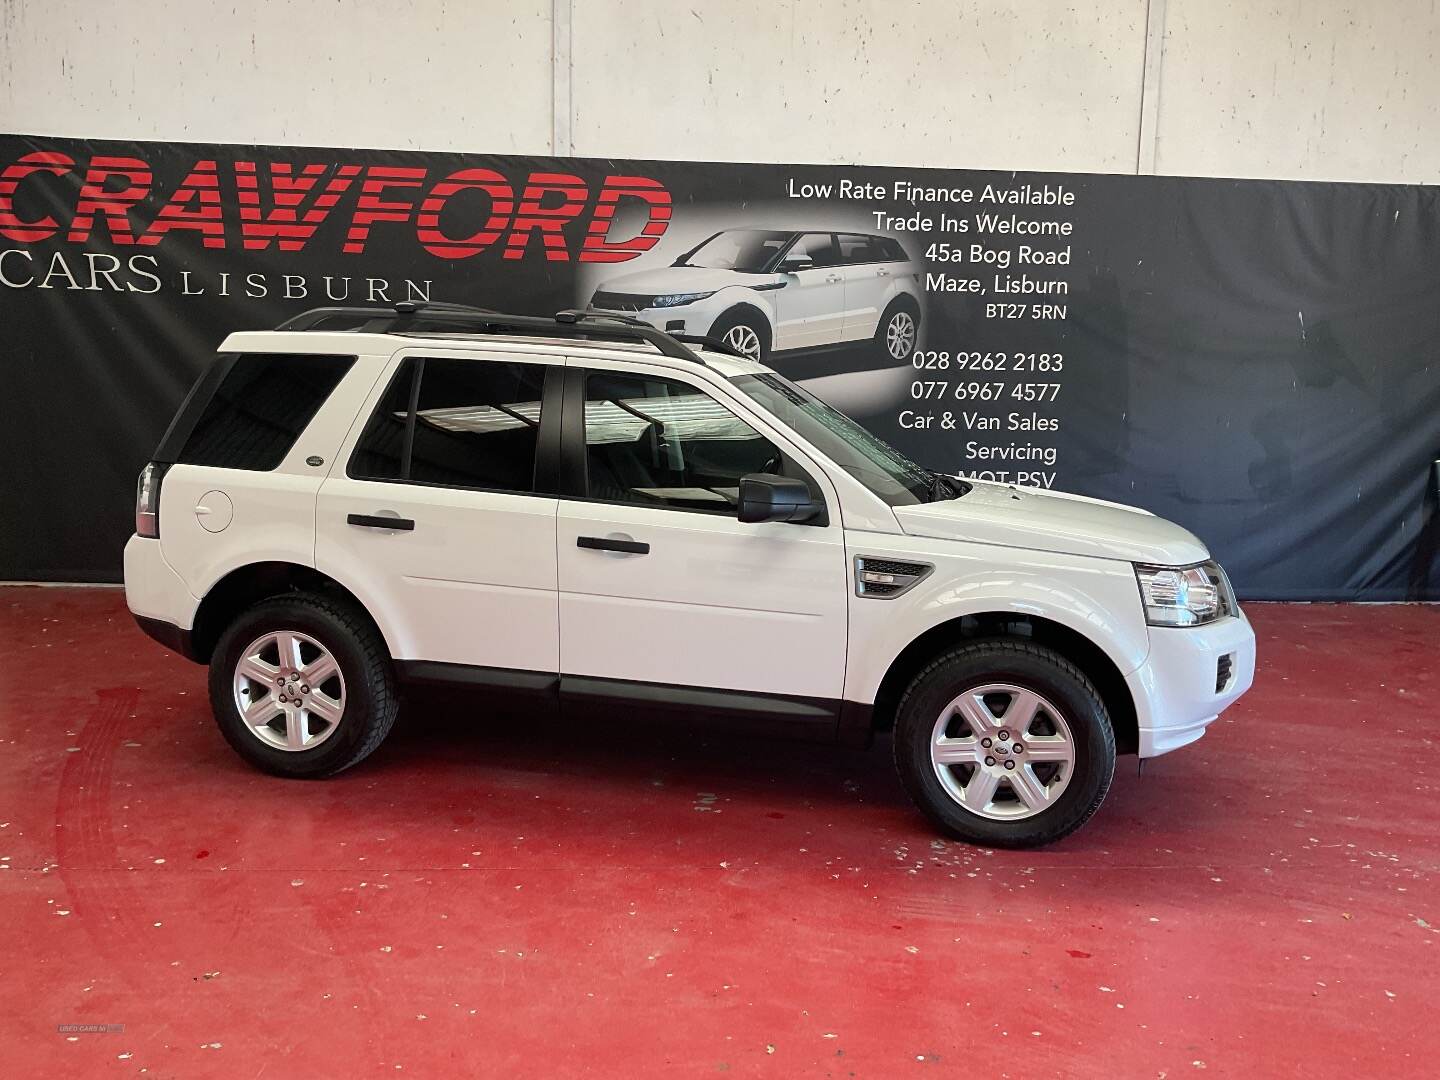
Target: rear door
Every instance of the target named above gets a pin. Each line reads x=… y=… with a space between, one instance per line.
x=663 y=591
x=441 y=512
x=868 y=277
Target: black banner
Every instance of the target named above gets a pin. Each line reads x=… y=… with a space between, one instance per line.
x=1257 y=360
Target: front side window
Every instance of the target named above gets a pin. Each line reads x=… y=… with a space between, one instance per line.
x=659 y=442
x=876 y=464
x=819 y=248
x=474 y=424
x=260 y=407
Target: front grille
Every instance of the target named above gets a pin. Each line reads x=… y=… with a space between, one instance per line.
x=614 y=301
x=884 y=578
x=1222 y=672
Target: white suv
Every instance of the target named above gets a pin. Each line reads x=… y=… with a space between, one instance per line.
x=773 y=290
x=587 y=512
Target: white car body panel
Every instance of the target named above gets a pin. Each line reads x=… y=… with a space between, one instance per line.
x=716 y=602
x=471 y=553
x=1097 y=598
x=1039 y=520
x=496 y=580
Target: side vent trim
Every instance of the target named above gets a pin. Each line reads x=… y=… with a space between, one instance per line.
x=879 y=578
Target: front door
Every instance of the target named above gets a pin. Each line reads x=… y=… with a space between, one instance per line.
x=661 y=586
x=435 y=518
x=810 y=309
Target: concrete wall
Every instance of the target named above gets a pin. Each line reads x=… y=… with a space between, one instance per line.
x=1313 y=89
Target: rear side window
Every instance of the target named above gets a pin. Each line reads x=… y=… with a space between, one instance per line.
x=860 y=249
x=455 y=423
x=891 y=251
x=261 y=405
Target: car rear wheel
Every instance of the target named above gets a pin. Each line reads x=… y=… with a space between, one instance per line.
x=899 y=331
x=744 y=332
x=301 y=686
x=1004 y=743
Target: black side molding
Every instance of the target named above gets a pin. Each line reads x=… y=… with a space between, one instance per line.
x=522 y=683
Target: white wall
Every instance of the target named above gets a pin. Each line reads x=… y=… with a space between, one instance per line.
x=1314 y=89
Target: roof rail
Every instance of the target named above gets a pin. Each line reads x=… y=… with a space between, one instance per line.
x=408 y=316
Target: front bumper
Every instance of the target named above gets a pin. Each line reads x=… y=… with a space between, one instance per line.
x=1176 y=690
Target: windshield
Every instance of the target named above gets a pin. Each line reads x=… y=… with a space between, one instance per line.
x=872 y=461
x=750 y=251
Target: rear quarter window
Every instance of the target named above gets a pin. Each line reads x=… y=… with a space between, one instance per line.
x=262 y=402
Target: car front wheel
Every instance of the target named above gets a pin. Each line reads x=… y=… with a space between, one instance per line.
x=301 y=686
x=744 y=332
x=1004 y=743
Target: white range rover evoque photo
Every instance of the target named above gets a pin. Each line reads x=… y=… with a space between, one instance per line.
x=775 y=290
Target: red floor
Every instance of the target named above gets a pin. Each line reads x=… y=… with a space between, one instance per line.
x=552 y=903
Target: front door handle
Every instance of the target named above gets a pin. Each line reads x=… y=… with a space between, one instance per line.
x=604 y=543
x=381 y=521
x=833 y=279
x=882 y=272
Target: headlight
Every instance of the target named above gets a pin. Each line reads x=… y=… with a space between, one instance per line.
x=679 y=298
x=1184 y=595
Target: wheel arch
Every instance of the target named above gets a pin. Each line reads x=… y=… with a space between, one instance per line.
x=748 y=307
x=1095 y=662
x=247 y=585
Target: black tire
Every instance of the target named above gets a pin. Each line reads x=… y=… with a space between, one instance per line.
x=901 y=306
x=370 y=701
x=737 y=317
x=1026 y=666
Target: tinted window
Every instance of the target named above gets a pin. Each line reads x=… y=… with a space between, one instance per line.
x=657 y=442
x=891 y=251
x=475 y=425
x=861 y=249
x=261 y=406
x=817 y=247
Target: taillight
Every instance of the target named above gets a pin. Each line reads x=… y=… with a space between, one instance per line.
x=147 y=501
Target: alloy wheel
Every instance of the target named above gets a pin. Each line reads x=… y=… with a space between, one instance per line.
x=743 y=339
x=900 y=335
x=1002 y=752
x=289 y=690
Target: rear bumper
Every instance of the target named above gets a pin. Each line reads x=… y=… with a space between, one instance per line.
x=174 y=638
x=157 y=597
x=1176 y=692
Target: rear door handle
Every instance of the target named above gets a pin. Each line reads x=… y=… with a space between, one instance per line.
x=882 y=272
x=604 y=543
x=833 y=278
x=381 y=521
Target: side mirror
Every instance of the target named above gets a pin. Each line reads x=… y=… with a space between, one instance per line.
x=766 y=497
x=792 y=266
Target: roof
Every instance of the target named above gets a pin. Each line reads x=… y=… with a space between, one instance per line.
x=578 y=330
x=350 y=342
